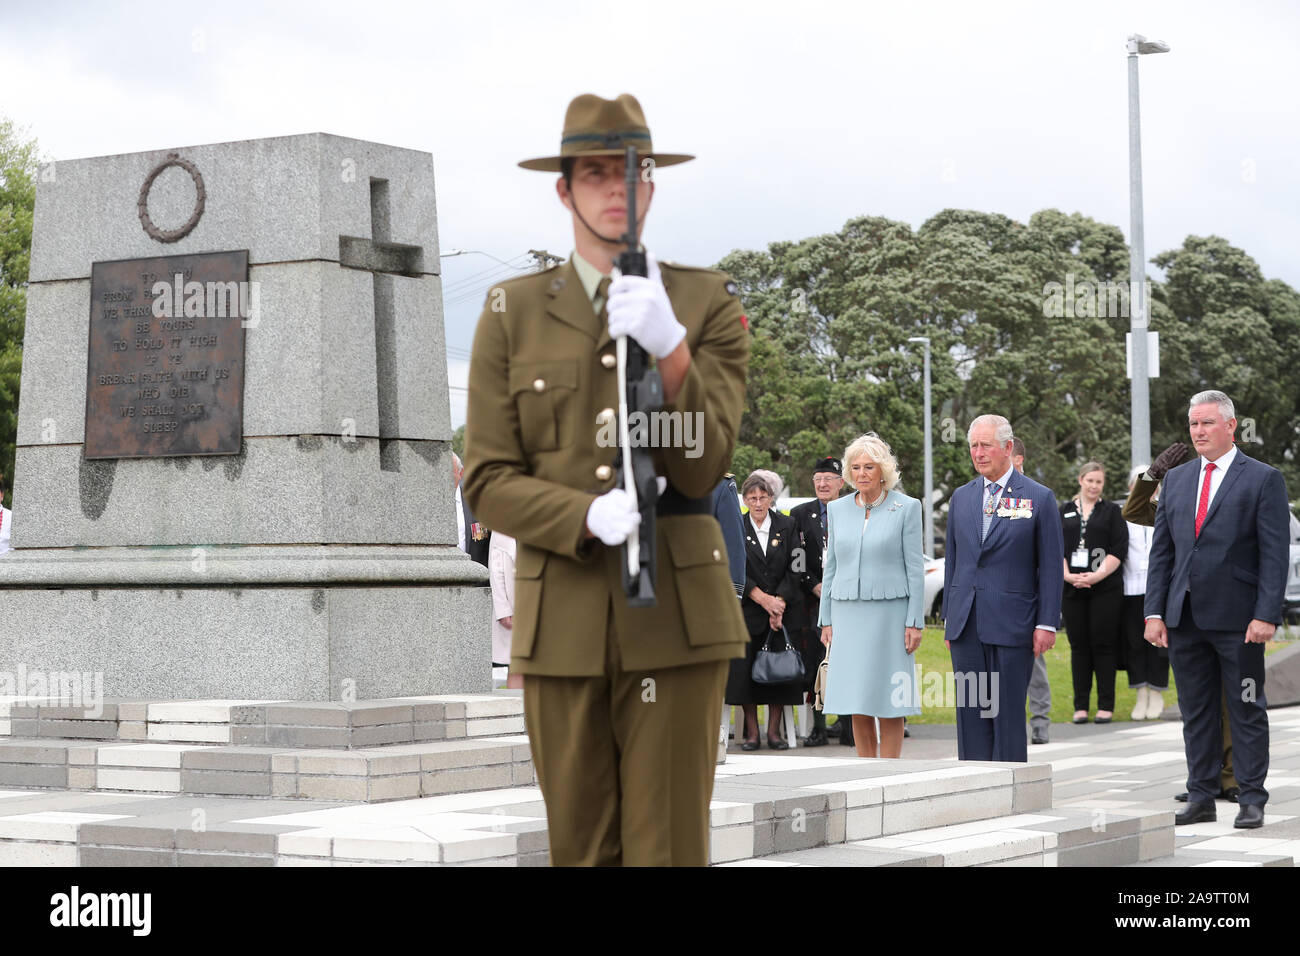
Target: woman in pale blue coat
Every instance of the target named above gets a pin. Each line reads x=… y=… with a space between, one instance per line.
x=872 y=600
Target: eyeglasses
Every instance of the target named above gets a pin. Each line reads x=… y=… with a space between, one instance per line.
x=757 y=499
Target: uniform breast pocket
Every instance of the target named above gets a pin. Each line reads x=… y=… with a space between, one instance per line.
x=544 y=393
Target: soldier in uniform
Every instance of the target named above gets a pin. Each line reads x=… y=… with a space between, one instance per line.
x=621 y=704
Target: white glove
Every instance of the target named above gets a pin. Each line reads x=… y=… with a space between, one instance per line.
x=613 y=516
x=639 y=307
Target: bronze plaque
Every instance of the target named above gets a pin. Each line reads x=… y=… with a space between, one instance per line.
x=166 y=361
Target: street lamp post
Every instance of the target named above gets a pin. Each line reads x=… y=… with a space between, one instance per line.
x=928 y=501
x=1138 y=306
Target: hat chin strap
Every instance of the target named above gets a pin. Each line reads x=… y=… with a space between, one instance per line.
x=574 y=199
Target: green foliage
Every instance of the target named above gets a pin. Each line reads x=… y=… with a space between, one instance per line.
x=1027 y=321
x=458 y=442
x=18 y=166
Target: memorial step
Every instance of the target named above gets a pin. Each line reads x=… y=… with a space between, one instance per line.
x=364 y=775
x=302 y=724
x=1065 y=837
x=761 y=807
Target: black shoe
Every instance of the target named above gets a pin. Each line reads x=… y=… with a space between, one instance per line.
x=906 y=732
x=750 y=744
x=817 y=738
x=778 y=744
x=846 y=734
x=1230 y=795
x=1249 y=817
x=1196 y=813
x=834 y=730
x=1039 y=737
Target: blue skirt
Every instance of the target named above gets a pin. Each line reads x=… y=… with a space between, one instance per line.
x=870 y=670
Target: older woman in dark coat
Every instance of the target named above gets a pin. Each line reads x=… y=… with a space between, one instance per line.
x=771 y=585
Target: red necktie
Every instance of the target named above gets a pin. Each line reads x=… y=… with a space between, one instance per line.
x=1204 y=505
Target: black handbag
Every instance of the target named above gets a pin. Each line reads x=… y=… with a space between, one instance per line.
x=777 y=667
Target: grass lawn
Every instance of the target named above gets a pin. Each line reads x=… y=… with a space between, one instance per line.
x=932 y=657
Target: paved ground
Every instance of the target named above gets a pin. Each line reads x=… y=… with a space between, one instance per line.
x=1140 y=766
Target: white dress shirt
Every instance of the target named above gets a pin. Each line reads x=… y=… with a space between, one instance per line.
x=460 y=523
x=763 y=530
x=1002 y=484
x=1221 y=466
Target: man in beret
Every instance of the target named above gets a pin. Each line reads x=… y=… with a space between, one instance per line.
x=621 y=703
x=810 y=519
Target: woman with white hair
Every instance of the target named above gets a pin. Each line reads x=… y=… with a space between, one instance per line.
x=872 y=597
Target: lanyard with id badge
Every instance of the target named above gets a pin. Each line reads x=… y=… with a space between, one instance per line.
x=1079 y=559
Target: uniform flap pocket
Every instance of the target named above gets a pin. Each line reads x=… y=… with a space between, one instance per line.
x=541 y=377
x=530 y=561
x=689 y=549
x=1242 y=574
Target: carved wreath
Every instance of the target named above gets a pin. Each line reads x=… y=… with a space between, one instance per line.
x=142 y=204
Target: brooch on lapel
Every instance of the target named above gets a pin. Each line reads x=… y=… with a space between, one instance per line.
x=895 y=506
x=776 y=539
x=1016 y=508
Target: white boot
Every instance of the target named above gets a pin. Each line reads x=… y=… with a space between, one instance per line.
x=1140 y=708
x=1155 y=704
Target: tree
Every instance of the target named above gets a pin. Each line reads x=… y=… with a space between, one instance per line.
x=1224 y=326
x=18 y=167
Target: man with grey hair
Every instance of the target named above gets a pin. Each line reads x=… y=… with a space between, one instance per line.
x=472 y=536
x=1002 y=593
x=1040 y=688
x=1215 y=585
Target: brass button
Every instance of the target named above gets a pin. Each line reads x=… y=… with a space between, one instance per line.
x=717 y=555
x=604 y=472
x=605 y=417
x=608 y=360
x=539 y=384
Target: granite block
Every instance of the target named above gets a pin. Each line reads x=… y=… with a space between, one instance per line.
x=352 y=789
x=226 y=782
x=222 y=859
x=118 y=857
x=1036 y=795
x=731 y=843
x=236 y=641
x=396 y=787
x=836 y=823
x=280 y=489
x=324 y=714
x=458 y=780
x=228 y=840
x=353 y=764
x=252 y=735
x=284 y=199
x=942 y=810
x=33 y=775
x=278 y=736
x=227 y=758
x=1117 y=852
x=132 y=730
x=119 y=834
x=27 y=752
x=82 y=778
x=112 y=778
x=370 y=713
x=157 y=756
x=37 y=854
x=861 y=823
x=382 y=734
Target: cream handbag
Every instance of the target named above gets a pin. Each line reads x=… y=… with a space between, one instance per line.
x=819 y=688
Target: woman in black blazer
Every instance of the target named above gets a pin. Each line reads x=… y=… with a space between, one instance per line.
x=771 y=586
x=1096 y=543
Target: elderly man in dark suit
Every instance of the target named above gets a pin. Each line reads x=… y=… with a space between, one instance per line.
x=1002 y=593
x=1215 y=583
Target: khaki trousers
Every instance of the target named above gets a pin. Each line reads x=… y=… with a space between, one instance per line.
x=625 y=762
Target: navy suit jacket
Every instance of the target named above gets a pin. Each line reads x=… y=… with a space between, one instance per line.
x=1013 y=580
x=1236 y=569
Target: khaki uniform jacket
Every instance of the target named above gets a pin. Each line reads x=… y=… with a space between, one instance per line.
x=542 y=382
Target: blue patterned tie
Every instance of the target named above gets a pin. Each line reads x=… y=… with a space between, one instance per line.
x=990 y=503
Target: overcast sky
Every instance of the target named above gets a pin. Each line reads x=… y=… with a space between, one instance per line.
x=802 y=114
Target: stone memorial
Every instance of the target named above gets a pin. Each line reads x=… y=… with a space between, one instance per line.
x=233 y=473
